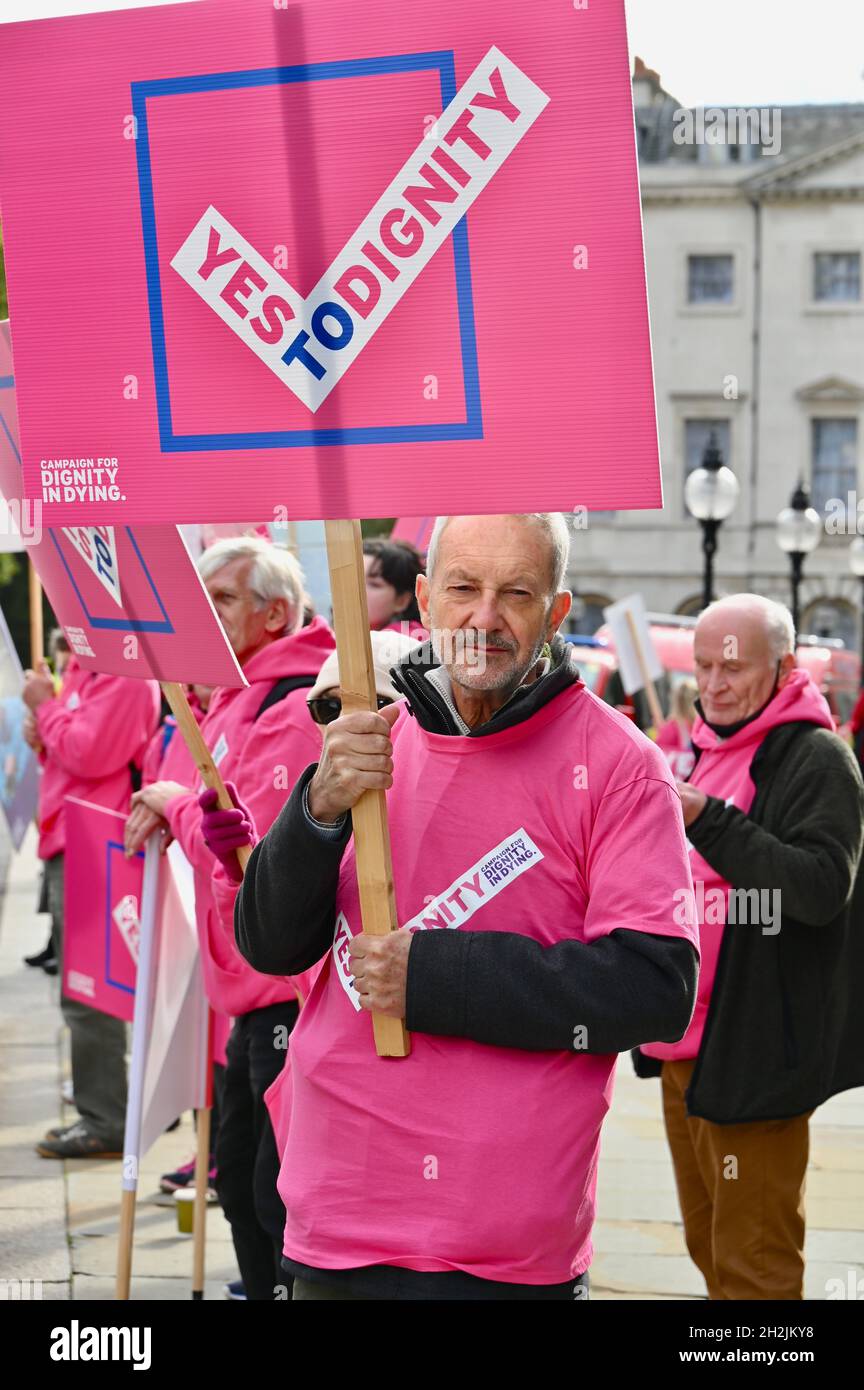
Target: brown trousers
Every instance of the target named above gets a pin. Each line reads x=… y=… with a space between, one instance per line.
x=741 y=1192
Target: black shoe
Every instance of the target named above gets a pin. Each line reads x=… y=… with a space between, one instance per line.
x=51 y=967
x=43 y=958
x=78 y=1142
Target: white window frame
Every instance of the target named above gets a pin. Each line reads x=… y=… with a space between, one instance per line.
x=831 y=410
x=711 y=306
x=831 y=306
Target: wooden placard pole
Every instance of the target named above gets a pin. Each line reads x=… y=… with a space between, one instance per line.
x=369 y=816
x=37 y=631
x=192 y=737
x=199 y=1206
x=203 y=1144
x=125 y=1236
x=650 y=691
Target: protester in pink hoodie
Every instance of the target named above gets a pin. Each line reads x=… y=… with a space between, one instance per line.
x=91 y=735
x=261 y=738
x=773 y=812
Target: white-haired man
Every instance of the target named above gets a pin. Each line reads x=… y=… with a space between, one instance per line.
x=521 y=811
x=774 y=817
x=261 y=738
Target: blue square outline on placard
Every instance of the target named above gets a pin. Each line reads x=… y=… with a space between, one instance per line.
x=113 y=845
x=470 y=428
x=120 y=624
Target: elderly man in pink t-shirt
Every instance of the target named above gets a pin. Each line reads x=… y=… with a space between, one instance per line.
x=538 y=857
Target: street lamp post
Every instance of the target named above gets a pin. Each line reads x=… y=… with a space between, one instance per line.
x=711 y=492
x=799 y=530
x=856 y=564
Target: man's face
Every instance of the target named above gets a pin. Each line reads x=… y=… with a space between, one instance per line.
x=492 y=589
x=245 y=618
x=735 y=667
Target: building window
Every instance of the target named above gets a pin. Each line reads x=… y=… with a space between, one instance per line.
x=834 y=462
x=837 y=276
x=696 y=436
x=709 y=280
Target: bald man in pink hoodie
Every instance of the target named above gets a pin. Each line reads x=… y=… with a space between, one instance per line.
x=90 y=735
x=774 y=811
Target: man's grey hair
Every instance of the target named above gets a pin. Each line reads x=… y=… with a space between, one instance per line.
x=779 y=626
x=553 y=525
x=275 y=573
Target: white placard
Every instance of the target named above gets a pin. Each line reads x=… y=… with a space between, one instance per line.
x=632 y=673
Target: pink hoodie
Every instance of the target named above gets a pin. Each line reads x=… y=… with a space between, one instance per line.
x=174 y=764
x=90 y=733
x=723 y=771
x=154 y=759
x=263 y=758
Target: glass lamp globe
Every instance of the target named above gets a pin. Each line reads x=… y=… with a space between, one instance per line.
x=711 y=493
x=856 y=556
x=799 y=530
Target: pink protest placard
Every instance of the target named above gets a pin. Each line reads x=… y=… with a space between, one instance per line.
x=336 y=260
x=128 y=598
x=103 y=910
x=416 y=529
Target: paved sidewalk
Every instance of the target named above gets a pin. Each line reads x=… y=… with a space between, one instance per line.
x=58 y=1222
x=638 y=1235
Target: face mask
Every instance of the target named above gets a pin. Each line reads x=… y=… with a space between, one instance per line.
x=727 y=730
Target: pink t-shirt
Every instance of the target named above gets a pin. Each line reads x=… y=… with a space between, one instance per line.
x=464 y=1155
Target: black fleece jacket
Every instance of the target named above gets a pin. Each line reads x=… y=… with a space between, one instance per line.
x=496 y=987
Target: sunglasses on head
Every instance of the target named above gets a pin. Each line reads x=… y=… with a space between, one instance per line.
x=325 y=708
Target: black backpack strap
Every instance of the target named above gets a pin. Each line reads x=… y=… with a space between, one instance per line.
x=282 y=688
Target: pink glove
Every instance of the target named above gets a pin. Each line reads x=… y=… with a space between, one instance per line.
x=227 y=831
